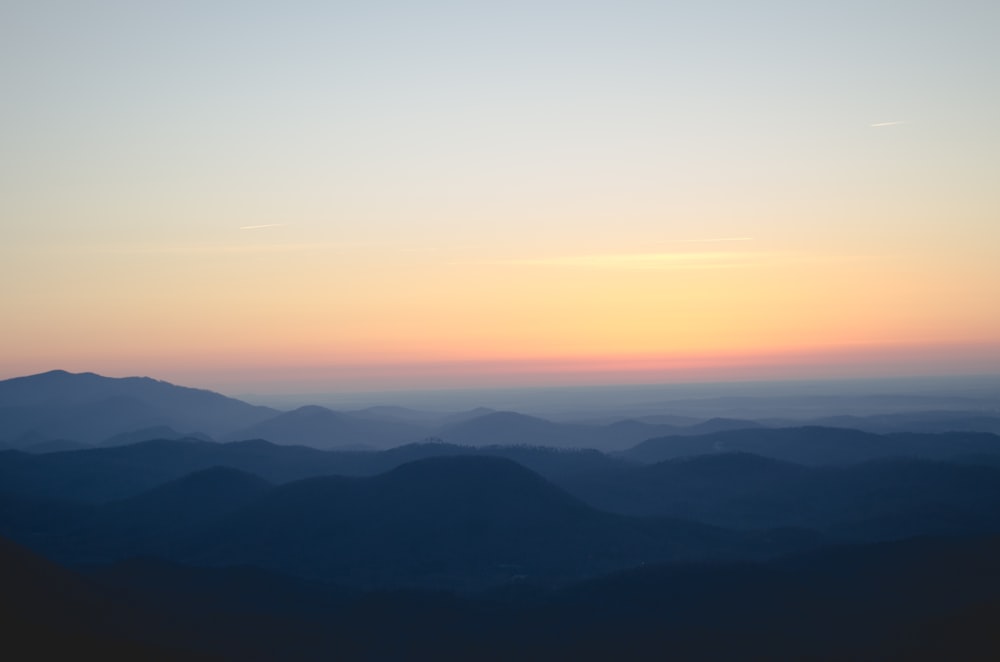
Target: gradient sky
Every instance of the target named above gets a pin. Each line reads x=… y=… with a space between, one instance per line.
x=330 y=195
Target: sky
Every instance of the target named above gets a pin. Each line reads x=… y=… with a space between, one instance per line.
x=336 y=196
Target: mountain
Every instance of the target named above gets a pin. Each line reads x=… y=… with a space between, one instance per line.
x=40 y=522
x=90 y=408
x=86 y=423
x=50 y=445
x=552 y=463
x=147 y=434
x=146 y=523
x=878 y=500
x=324 y=428
x=511 y=428
x=918 y=421
x=719 y=425
x=98 y=475
x=459 y=522
x=425 y=419
x=817 y=445
x=703 y=487
x=507 y=427
x=38 y=411
x=805 y=445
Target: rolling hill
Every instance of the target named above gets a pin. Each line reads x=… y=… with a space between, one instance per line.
x=456 y=522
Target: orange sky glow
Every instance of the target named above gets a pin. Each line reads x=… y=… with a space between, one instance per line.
x=488 y=195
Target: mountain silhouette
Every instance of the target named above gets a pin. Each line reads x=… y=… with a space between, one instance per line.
x=149 y=434
x=719 y=424
x=447 y=521
x=324 y=428
x=497 y=536
x=89 y=408
x=507 y=427
x=883 y=499
x=700 y=487
x=105 y=474
x=813 y=445
x=511 y=428
x=99 y=475
x=145 y=523
x=917 y=421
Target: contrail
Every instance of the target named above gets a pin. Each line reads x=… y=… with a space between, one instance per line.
x=259 y=227
x=878 y=124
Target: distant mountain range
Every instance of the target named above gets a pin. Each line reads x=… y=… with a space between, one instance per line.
x=882 y=499
x=390 y=533
x=103 y=474
x=57 y=411
x=818 y=445
x=445 y=521
x=203 y=502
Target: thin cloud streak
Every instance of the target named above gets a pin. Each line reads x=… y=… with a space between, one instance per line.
x=650 y=261
x=202 y=249
x=679 y=260
x=879 y=124
x=715 y=240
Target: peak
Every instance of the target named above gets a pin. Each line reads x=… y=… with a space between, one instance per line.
x=312 y=410
x=65 y=373
x=57 y=374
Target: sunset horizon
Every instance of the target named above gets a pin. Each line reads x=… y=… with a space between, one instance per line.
x=872 y=362
x=393 y=196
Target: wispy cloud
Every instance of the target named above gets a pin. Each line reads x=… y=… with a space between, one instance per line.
x=679 y=260
x=202 y=249
x=880 y=124
x=714 y=240
x=649 y=261
x=261 y=227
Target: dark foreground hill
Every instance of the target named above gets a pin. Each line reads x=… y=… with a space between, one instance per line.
x=919 y=599
x=924 y=599
x=49 y=612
